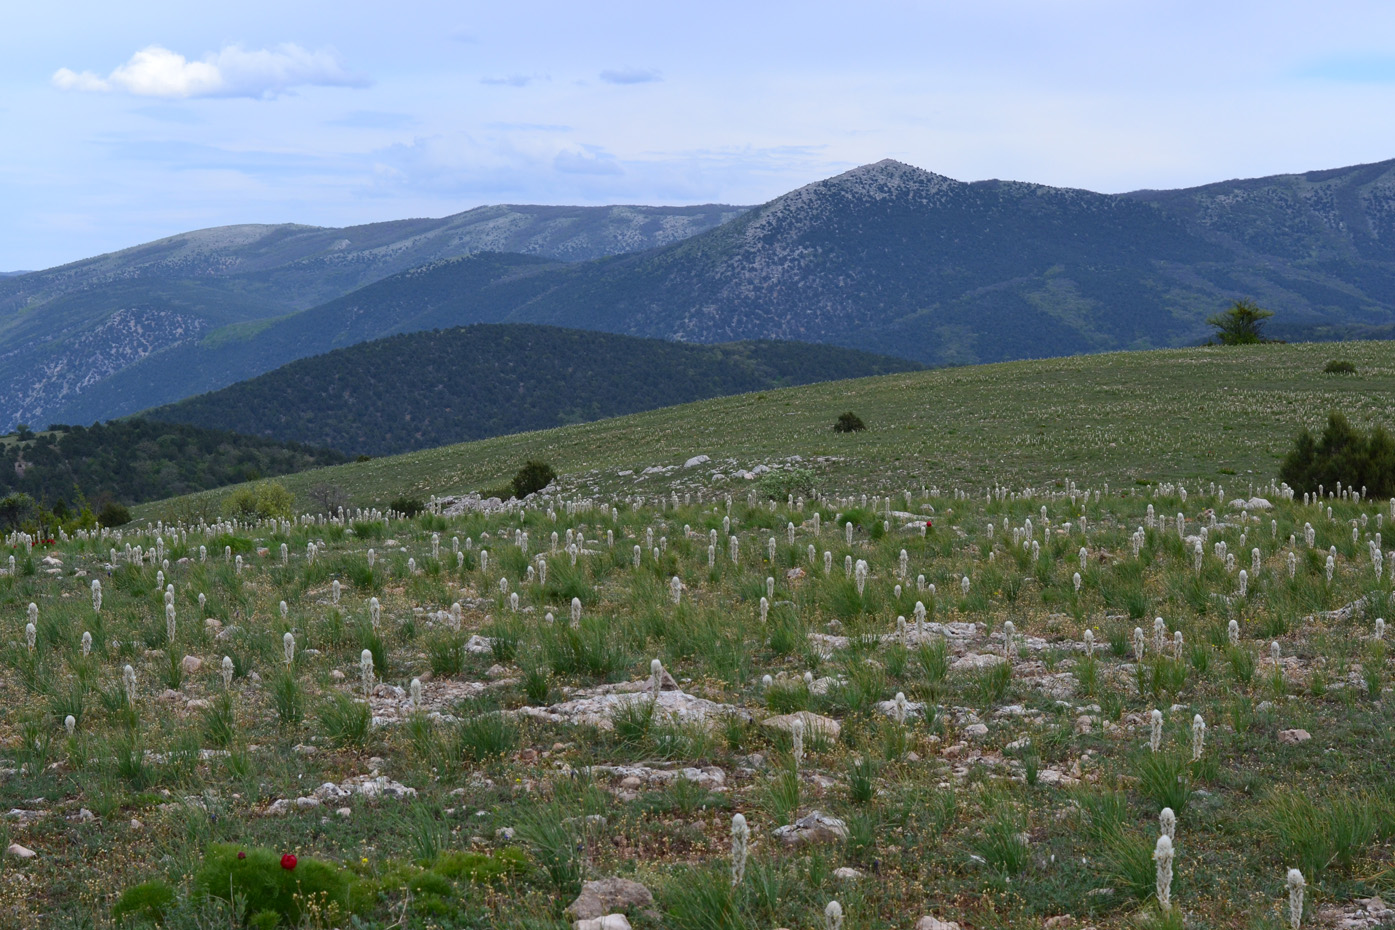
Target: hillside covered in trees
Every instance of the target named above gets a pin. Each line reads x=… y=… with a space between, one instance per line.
x=427 y=389
x=130 y=461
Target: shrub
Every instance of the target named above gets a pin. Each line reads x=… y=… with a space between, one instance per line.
x=260 y=501
x=114 y=514
x=407 y=506
x=1343 y=454
x=779 y=485
x=257 y=879
x=144 y=902
x=849 y=422
x=531 y=478
x=1336 y=367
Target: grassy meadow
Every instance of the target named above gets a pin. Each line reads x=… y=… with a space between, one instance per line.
x=988 y=721
x=1179 y=415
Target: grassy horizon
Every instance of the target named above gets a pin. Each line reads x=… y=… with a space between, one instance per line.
x=1225 y=414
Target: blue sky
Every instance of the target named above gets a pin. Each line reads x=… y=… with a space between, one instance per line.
x=126 y=122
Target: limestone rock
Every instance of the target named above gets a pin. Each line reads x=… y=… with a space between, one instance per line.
x=606 y=898
x=608 y=922
x=934 y=923
x=812 y=723
x=1294 y=737
x=816 y=827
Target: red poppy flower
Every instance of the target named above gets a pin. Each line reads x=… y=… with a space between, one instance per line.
x=241 y=855
x=288 y=861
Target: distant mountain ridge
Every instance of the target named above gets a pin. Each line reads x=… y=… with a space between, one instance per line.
x=887 y=258
x=64 y=330
x=428 y=389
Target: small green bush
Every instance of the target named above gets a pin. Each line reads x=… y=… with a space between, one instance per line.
x=264 y=887
x=531 y=478
x=147 y=901
x=1342 y=454
x=407 y=506
x=114 y=514
x=849 y=422
x=1336 y=367
x=260 y=501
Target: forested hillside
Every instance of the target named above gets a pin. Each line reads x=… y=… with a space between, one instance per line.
x=429 y=389
x=135 y=460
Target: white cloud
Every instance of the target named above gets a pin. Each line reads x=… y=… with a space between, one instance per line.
x=232 y=72
x=587 y=160
x=509 y=80
x=631 y=76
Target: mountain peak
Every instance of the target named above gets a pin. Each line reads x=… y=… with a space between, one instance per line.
x=890 y=173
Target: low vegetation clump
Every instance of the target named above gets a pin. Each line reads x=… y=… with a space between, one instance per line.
x=1128 y=704
x=1342 y=456
x=1338 y=367
x=532 y=478
x=849 y=422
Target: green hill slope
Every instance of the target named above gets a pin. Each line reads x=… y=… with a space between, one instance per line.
x=1174 y=415
x=428 y=389
x=135 y=460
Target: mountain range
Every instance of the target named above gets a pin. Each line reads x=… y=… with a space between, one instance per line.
x=428 y=389
x=886 y=258
x=67 y=330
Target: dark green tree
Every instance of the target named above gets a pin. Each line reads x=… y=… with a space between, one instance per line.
x=849 y=423
x=532 y=477
x=1241 y=324
x=1343 y=454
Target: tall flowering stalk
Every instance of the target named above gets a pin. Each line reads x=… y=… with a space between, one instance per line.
x=1162 y=858
x=1296 y=884
x=740 y=847
x=365 y=669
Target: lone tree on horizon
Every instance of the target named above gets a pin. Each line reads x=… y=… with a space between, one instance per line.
x=1240 y=325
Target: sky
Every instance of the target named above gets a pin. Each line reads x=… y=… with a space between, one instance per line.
x=123 y=123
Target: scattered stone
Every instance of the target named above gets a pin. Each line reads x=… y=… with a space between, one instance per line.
x=934 y=923
x=191 y=664
x=609 y=896
x=694 y=461
x=598 y=709
x=25 y=818
x=973 y=661
x=976 y=731
x=1294 y=737
x=1361 y=914
x=812 y=723
x=846 y=874
x=20 y=852
x=815 y=827
x=608 y=922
